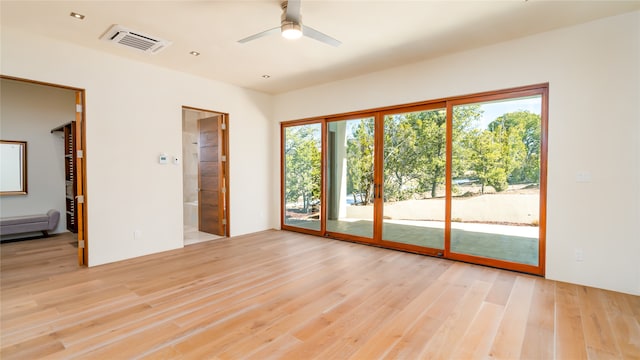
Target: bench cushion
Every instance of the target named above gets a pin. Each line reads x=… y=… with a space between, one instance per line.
x=26 y=219
x=29 y=223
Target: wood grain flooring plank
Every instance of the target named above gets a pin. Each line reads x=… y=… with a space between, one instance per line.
x=286 y=319
x=598 y=333
x=134 y=343
x=412 y=342
x=34 y=348
x=275 y=350
x=624 y=321
x=449 y=335
x=278 y=295
x=501 y=288
x=338 y=332
x=510 y=335
x=569 y=335
x=626 y=335
x=539 y=337
x=481 y=333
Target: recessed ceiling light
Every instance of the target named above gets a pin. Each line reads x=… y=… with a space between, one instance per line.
x=77 y=16
x=265 y=76
x=194 y=53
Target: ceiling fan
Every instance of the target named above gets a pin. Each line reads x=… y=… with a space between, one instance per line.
x=291 y=26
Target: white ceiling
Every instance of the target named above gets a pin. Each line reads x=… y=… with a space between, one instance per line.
x=375 y=34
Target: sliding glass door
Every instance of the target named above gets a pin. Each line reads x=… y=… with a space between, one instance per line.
x=414 y=169
x=495 y=180
x=302 y=176
x=350 y=178
x=462 y=178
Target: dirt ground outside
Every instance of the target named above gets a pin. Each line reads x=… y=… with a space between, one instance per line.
x=516 y=206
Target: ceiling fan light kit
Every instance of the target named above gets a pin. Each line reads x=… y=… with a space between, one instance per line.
x=291 y=30
x=291 y=26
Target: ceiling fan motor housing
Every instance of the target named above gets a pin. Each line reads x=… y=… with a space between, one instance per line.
x=290 y=28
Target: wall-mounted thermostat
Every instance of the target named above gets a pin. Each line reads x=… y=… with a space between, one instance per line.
x=163 y=159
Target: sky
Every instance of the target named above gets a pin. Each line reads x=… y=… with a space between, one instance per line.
x=493 y=110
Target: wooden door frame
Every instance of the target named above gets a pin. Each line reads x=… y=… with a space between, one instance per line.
x=379 y=202
x=525 y=91
x=323 y=181
x=223 y=136
x=81 y=175
x=378 y=114
x=375 y=238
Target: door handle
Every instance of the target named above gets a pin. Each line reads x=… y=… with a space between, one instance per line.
x=377 y=191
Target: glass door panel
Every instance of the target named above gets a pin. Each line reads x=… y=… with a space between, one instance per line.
x=349 y=177
x=414 y=170
x=302 y=146
x=495 y=186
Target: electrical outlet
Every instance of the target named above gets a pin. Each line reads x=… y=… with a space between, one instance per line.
x=137 y=235
x=579 y=255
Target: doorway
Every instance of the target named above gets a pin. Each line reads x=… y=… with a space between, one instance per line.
x=68 y=156
x=205 y=175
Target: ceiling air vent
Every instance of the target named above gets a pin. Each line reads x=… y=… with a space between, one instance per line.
x=134 y=39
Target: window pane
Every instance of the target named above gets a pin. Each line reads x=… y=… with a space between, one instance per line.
x=350 y=177
x=414 y=178
x=302 y=172
x=495 y=179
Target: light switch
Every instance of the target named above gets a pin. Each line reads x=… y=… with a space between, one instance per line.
x=583 y=177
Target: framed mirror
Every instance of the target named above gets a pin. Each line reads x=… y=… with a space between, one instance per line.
x=13 y=167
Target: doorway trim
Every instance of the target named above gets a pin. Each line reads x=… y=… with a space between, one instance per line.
x=81 y=159
x=225 y=188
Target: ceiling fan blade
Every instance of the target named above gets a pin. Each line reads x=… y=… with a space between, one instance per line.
x=260 y=34
x=317 y=35
x=293 y=11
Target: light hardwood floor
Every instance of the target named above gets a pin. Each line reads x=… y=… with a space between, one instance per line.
x=285 y=295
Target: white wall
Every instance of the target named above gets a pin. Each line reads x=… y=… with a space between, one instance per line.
x=28 y=112
x=594 y=85
x=134 y=112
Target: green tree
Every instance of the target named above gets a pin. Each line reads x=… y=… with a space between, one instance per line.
x=465 y=120
x=511 y=151
x=484 y=158
x=525 y=126
x=360 y=153
x=431 y=128
x=506 y=152
x=400 y=157
x=415 y=150
x=302 y=164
